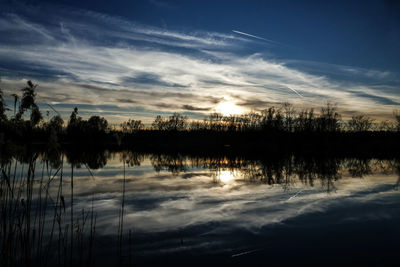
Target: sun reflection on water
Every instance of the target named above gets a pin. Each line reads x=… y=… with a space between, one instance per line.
x=226 y=176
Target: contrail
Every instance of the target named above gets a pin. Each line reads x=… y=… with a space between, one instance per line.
x=254 y=36
x=246 y=252
x=53 y=109
x=295 y=91
x=269 y=41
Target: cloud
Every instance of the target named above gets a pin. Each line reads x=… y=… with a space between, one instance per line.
x=103 y=60
x=255 y=103
x=378 y=99
x=150 y=79
x=192 y=108
x=164 y=202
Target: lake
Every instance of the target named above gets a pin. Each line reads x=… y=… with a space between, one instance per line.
x=141 y=209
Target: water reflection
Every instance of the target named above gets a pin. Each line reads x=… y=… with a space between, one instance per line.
x=147 y=205
x=226 y=176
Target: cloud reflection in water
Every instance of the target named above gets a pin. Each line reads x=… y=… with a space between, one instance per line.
x=162 y=202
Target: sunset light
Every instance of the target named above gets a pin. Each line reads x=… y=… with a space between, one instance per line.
x=228 y=108
x=226 y=176
x=206 y=133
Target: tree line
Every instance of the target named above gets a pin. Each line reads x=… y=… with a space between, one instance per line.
x=273 y=119
x=27 y=123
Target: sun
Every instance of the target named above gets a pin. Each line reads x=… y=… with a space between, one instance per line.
x=228 y=108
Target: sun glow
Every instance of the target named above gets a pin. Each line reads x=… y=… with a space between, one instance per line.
x=228 y=108
x=226 y=176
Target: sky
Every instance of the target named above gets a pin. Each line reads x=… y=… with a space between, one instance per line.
x=137 y=59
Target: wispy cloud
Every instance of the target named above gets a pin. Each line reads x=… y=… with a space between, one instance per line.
x=161 y=202
x=104 y=60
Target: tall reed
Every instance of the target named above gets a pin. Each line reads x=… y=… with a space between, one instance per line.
x=33 y=212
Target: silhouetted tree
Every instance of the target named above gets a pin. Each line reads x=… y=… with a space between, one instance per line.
x=231 y=123
x=252 y=121
x=56 y=123
x=305 y=121
x=28 y=102
x=177 y=122
x=75 y=126
x=360 y=123
x=289 y=113
x=273 y=119
x=54 y=128
x=329 y=119
x=159 y=123
x=236 y=131
x=132 y=126
x=386 y=126
x=397 y=117
x=196 y=126
x=36 y=115
x=97 y=124
x=214 y=122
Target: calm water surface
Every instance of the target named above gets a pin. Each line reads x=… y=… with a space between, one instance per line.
x=176 y=210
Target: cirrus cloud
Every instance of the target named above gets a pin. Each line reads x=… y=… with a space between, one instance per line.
x=141 y=71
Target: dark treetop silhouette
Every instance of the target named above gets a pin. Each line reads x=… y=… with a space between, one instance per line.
x=274 y=129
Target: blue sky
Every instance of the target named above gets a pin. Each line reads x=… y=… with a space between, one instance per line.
x=137 y=59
